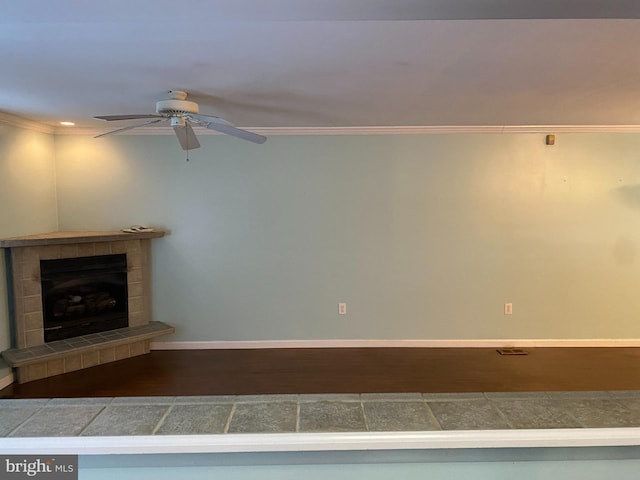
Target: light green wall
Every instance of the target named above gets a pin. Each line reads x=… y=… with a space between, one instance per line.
x=496 y=464
x=27 y=198
x=505 y=470
x=424 y=237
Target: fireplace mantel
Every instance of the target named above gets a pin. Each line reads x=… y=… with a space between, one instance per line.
x=30 y=355
x=65 y=238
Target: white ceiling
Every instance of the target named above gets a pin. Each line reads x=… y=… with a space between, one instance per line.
x=326 y=63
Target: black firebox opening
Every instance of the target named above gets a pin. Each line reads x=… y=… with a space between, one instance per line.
x=84 y=295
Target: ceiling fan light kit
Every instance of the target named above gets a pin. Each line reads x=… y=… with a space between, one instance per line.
x=182 y=113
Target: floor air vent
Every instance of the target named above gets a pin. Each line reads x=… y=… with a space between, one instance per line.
x=512 y=351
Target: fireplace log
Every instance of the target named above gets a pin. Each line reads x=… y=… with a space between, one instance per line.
x=75 y=305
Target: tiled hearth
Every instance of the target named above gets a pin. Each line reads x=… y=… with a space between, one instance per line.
x=31 y=356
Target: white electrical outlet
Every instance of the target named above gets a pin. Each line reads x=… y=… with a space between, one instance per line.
x=508 y=308
x=342 y=309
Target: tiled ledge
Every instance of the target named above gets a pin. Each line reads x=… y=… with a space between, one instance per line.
x=306 y=423
x=85 y=343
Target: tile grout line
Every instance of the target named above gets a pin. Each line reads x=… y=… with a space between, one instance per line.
x=162 y=419
x=501 y=413
x=227 y=424
x=432 y=416
x=92 y=420
x=25 y=421
x=582 y=424
x=364 y=415
x=564 y=404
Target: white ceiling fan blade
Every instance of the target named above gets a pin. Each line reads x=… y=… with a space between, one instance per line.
x=131 y=127
x=220 y=125
x=186 y=136
x=210 y=118
x=110 y=118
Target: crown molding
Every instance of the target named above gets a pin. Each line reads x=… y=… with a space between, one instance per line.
x=21 y=122
x=379 y=130
x=16 y=121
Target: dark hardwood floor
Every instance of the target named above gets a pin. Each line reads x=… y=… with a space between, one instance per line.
x=355 y=370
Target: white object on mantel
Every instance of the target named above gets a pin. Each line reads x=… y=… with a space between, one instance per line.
x=137 y=229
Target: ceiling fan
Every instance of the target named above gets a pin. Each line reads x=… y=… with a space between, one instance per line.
x=182 y=114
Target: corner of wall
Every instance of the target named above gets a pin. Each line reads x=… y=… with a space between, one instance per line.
x=55 y=180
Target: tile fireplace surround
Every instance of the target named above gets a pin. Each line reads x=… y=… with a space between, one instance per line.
x=34 y=359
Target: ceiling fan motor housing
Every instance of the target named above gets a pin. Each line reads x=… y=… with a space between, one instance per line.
x=176 y=107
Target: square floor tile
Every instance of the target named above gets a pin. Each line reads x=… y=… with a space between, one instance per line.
x=530 y=413
x=468 y=415
x=11 y=417
x=255 y=417
x=602 y=413
x=195 y=419
x=332 y=417
x=395 y=416
x=126 y=420
x=57 y=422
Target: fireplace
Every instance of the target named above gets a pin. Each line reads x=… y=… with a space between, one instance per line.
x=83 y=295
x=78 y=299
